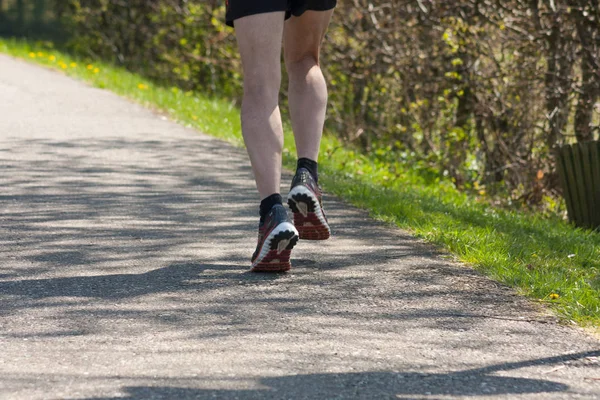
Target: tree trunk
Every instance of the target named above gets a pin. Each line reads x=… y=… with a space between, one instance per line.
x=585 y=104
x=587 y=30
x=39 y=9
x=558 y=82
x=21 y=14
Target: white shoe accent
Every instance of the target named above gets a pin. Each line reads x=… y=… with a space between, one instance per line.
x=301 y=189
x=282 y=245
x=302 y=207
x=283 y=227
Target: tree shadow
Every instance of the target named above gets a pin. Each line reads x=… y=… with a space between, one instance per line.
x=369 y=385
x=80 y=229
x=91 y=248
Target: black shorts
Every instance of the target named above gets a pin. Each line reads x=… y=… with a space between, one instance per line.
x=242 y=8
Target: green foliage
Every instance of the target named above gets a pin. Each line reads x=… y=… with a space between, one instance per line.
x=181 y=43
x=33 y=18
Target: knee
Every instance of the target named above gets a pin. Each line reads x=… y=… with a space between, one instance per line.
x=262 y=83
x=300 y=65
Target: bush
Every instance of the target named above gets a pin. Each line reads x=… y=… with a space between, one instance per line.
x=179 y=42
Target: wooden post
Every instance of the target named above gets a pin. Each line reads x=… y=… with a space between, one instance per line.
x=579 y=171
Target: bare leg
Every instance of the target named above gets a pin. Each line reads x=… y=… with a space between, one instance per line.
x=259 y=39
x=307 y=88
x=308 y=103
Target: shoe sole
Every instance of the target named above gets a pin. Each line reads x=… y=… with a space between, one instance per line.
x=308 y=215
x=276 y=250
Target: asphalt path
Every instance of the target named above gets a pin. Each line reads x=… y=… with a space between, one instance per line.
x=125 y=244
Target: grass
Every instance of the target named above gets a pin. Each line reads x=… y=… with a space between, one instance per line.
x=542 y=257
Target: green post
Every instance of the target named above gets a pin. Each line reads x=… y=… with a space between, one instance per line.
x=579 y=171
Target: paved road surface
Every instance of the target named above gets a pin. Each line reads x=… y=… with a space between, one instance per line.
x=124 y=248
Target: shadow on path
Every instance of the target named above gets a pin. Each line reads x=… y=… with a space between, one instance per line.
x=373 y=385
x=120 y=219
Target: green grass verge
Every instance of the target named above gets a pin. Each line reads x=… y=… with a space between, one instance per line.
x=543 y=257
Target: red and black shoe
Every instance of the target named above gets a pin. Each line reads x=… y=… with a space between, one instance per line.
x=277 y=236
x=305 y=201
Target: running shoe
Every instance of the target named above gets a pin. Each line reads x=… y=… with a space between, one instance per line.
x=277 y=236
x=306 y=202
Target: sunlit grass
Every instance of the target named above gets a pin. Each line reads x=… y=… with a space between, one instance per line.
x=542 y=257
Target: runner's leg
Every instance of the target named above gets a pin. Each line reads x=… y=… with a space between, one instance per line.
x=259 y=39
x=307 y=88
x=308 y=103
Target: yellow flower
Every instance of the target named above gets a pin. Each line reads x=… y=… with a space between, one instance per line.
x=194 y=117
x=40 y=54
x=73 y=65
x=96 y=70
x=32 y=55
x=90 y=66
x=62 y=65
x=554 y=296
x=52 y=58
x=141 y=86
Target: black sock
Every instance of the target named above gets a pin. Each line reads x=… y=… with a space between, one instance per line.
x=310 y=165
x=267 y=203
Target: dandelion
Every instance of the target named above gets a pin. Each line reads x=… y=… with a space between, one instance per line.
x=90 y=66
x=73 y=65
x=62 y=65
x=32 y=55
x=554 y=296
x=52 y=58
x=194 y=117
x=141 y=86
x=96 y=70
x=40 y=54
x=457 y=61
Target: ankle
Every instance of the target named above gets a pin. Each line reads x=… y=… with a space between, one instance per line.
x=268 y=203
x=310 y=165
